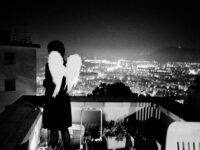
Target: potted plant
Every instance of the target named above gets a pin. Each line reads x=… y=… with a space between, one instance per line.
x=115 y=133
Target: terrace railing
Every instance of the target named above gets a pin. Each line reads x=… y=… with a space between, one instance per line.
x=27 y=117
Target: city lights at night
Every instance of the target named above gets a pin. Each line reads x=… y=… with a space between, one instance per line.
x=99 y=75
x=143 y=77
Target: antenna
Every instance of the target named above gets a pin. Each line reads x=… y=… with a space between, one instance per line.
x=24 y=28
x=25 y=37
x=16 y=35
x=21 y=37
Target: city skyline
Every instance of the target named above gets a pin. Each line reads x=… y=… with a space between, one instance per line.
x=142 y=77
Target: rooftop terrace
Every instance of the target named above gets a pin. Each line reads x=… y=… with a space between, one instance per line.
x=20 y=123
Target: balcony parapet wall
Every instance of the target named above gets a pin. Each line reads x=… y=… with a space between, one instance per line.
x=21 y=121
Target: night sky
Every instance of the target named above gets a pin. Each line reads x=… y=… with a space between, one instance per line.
x=106 y=28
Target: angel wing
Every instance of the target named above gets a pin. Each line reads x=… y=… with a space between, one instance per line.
x=72 y=71
x=57 y=69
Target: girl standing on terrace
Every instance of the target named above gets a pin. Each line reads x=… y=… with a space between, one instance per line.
x=58 y=82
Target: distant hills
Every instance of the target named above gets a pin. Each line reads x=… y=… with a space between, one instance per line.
x=175 y=54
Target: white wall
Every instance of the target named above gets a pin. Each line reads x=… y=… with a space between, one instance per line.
x=111 y=110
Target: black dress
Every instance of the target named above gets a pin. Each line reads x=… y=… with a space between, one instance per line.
x=57 y=111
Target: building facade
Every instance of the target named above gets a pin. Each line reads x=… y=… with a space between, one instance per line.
x=18 y=61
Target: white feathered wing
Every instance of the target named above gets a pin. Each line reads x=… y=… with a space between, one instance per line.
x=72 y=71
x=57 y=70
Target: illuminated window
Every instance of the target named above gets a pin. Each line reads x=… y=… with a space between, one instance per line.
x=9 y=58
x=10 y=85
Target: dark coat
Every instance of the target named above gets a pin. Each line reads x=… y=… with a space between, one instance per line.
x=57 y=111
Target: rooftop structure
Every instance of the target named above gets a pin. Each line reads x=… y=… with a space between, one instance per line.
x=22 y=120
x=8 y=38
x=18 y=56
